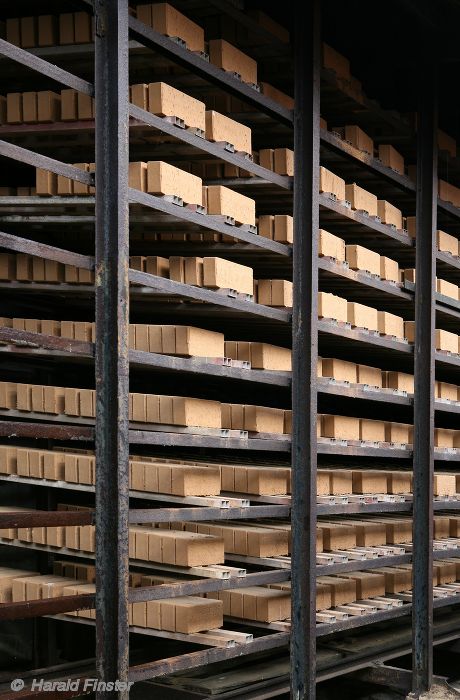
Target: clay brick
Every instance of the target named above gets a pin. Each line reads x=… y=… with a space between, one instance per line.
x=277 y=228
x=343 y=590
x=447 y=143
x=360 y=199
x=399 y=381
x=372 y=430
x=361 y=316
x=389 y=269
x=47 y=30
x=368 y=584
x=276 y=95
x=225 y=274
x=231 y=59
x=331 y=246
x=165 y=179
x=331 y=183
x=390 y=324
x=447 y=243
x=359 y=258
x=399 y=433
x=359 y=139
x=340 y=370
x=332 y=306
x=396 y=580
x=389 y=214
x=391 y=158
x=166 y=101
x=223 y=201
x=335 y=61
x=447 y=289
x=369 y=481
x=223 y=129
x=340 y=427
x=444 y=484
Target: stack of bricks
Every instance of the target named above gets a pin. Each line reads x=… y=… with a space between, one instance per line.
x=197 y=478
x=185 y=614
x=183 y=341
x=190 y=614
x=49 y=30
x=208 y=272
x=144 y=408
x=172 y=547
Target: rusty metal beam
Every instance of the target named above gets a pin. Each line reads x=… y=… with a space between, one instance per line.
x=111 y=356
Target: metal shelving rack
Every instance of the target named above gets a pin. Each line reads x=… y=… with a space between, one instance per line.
x=120 y=38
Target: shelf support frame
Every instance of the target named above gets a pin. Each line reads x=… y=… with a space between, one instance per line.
x=111 y=348
x=305 y=351
x=424 y=376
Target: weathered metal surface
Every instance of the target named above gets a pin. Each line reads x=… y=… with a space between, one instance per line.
x=111 y=357
x=305 y=352
x=424 y=375
x=45 y=606
x=24 y=155
x=147 y=36
x=42 y=250
x=28 y=59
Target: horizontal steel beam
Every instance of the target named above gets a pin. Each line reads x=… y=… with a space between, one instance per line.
x=161 y=284
x=39 y=341
x=208 y=656
x=42 y=250
x=49 y=431
x=209 y=147
x=46 y=606
x=328 y=204
x=167 y=286
x=50 y=346
x=45 y=518
x=24 y=155
x=29 y=60
x=175 y=590
x=206 y=221
x=196 y=514
x=146 y=437
x=52 y=606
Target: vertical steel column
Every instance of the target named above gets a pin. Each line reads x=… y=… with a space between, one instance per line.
x=305 y=350
x=425 y=316
x=112 y=318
